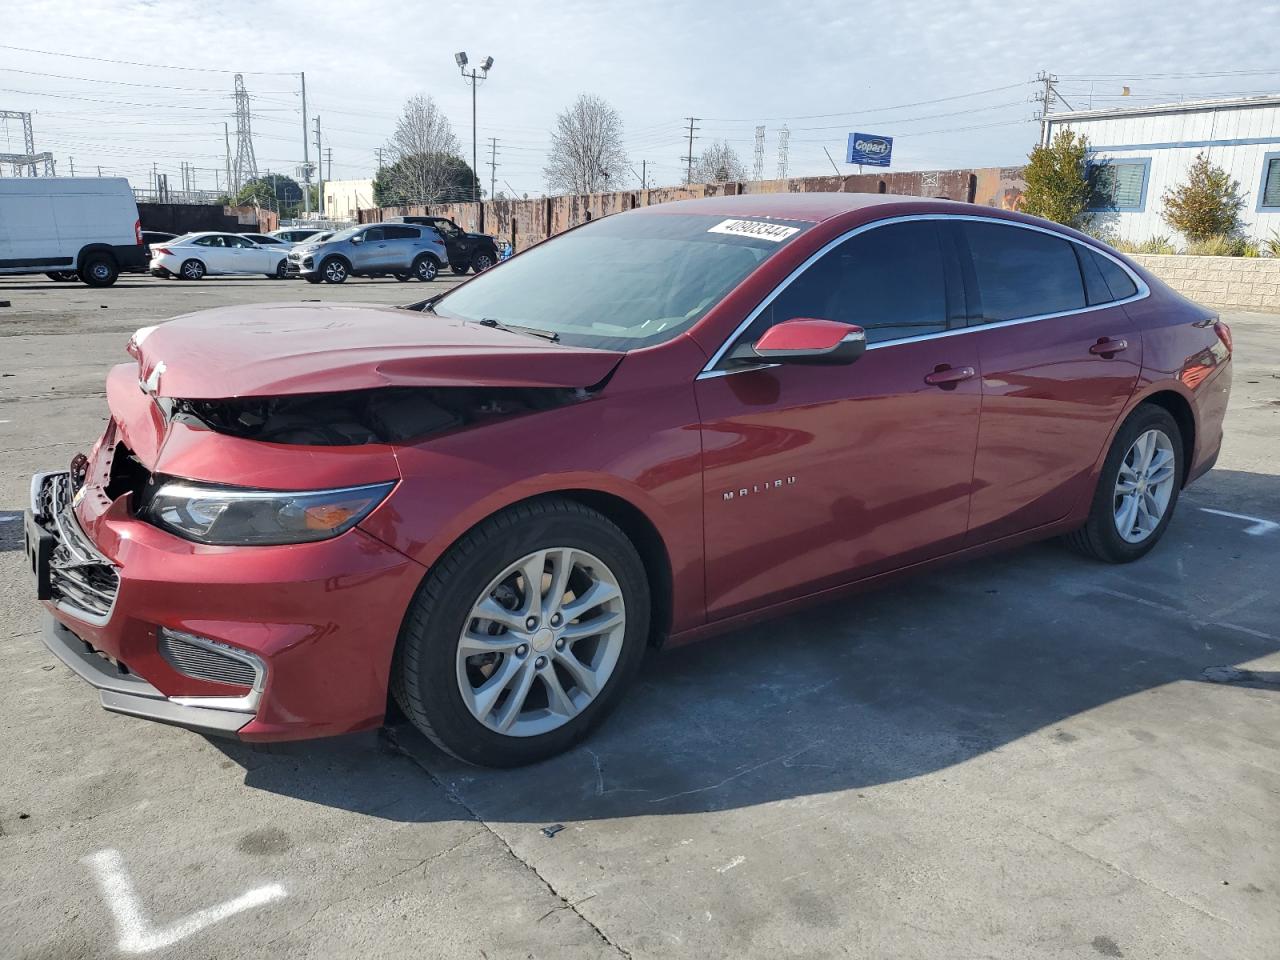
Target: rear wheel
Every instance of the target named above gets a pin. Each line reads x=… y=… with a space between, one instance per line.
x=459 y=270
x=1137 y=490
x=62 y=276
x=191 y=270
x=334 y=270
x=524 y=634
x=426 y=269
x=98 y=270
x=403 y=277
x=313 y=278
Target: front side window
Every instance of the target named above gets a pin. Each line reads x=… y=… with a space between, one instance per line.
x=889 y=280
x=447 y=228
x=1119 y=185
x=241 y=242
x=1021 y=272
x=373 y=234
x=623 y=282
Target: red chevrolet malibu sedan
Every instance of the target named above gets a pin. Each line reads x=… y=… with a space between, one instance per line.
x=657 y=426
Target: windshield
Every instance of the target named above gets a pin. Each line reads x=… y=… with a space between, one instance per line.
x=624 y=282
x=346 y=234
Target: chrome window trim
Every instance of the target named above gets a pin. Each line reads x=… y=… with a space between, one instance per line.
x=709 y=370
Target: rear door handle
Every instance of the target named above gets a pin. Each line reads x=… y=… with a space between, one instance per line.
x=1106 y=347
x=947 y=377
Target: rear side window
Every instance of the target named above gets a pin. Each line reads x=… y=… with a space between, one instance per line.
x=1023 y=273
x=401 y=233
x=888 y=280
x=1118 y=280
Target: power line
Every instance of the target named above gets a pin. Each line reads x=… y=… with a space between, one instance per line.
x=898 y=106
x=149 y=66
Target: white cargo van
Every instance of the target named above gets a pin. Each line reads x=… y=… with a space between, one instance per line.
x=63 y=225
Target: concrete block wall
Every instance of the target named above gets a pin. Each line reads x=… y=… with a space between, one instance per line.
x=1241 y=283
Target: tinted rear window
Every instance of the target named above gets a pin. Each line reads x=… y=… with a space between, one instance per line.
x=1023 y=273
x=400 y=233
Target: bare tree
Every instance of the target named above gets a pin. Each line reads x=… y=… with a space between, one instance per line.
x=424 y=153
x=719 y=164
x=586 y=155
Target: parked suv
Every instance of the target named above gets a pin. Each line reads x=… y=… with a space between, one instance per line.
x=467 y=251
x=378 y=250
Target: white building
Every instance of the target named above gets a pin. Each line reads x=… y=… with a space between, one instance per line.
x=342 y=198
x=1148 y=149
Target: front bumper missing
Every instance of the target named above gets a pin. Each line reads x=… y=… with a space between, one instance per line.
x=127 y=693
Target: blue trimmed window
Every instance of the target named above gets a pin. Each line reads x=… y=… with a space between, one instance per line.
x=1119 y=185
x=1269 y=191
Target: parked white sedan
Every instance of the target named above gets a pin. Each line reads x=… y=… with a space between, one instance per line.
x=196 y=255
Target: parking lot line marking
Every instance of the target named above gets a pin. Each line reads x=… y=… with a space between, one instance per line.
x=1171 y=607
x=135 y=932
x=1258 y=528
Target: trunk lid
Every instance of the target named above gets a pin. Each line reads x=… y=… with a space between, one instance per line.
x=283 y=349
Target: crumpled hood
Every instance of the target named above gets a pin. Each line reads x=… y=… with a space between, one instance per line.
x=278 y=349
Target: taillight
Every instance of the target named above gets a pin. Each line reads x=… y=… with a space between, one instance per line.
x=1224 y=333
x=137 y=232
x=161 y=251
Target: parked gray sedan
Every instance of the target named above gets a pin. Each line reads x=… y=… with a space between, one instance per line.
x=399 y=250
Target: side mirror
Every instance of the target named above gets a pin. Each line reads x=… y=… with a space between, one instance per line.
x=357 y=239
x=805 y=340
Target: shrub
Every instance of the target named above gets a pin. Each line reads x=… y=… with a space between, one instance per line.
x=1218 y=245
x=1057 y=188
x=1160 y=243
x=1272 y=244
x=1206 y=205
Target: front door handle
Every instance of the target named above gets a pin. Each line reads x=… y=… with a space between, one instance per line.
x=1106 y=347
x=947 y=376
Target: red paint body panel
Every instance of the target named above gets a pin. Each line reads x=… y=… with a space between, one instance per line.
x=321 y=348
x=767 y=488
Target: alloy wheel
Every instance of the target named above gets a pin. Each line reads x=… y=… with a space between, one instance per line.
x=427 y=269
x=1144 y=486
x=192 y=270
x=541 y=642
x=335 y=271
x=482 y=262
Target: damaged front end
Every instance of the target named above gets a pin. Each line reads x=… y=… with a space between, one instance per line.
x=355 y=417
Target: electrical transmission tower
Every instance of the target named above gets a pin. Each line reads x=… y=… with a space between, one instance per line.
x=29 y=163
x=757 y=169
x=246 y=164
x=784 y=141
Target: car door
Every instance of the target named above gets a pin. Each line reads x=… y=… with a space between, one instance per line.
x=818 y=475
x=247 y=255
x=371 y=252
x=214 y=253
x=403 y=244
x=455 y=242
x=1060 y=359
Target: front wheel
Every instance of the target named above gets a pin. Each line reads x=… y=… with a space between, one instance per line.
x=334 y=271
x=459 y=270
x=524 y=635
x=62 y=276
x=1137 y=489
x=282 y=270
x=481 y=262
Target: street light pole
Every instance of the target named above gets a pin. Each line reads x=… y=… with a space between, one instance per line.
x=474 y=77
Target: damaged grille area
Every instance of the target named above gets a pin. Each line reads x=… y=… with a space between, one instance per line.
x=79 y=576
x=354 y=417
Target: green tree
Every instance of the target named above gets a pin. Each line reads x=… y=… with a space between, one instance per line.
x=274 y=191
x=425 y=178
x=1207 y=204
x=1057 y=185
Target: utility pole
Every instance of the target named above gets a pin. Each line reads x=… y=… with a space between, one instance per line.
x=688 y=158
x=306 y=161
x=379 y=158
x=493 y=165
x=328 y=152
x=99 y=169
x=644 y=175
x=1045 y=99
x=320 y=179
x=73 y=165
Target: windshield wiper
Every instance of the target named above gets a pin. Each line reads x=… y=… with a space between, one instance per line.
x=517 y=328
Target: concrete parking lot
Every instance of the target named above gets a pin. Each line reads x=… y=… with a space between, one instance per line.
x=1024 y=756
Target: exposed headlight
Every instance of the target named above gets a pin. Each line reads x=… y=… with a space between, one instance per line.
x=231 y=516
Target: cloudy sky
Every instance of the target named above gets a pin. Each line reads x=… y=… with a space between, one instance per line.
x=951 y=82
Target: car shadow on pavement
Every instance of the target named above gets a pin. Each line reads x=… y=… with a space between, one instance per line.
x=882 y=687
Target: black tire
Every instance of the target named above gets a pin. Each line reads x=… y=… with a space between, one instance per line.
x=1099 y=538
x=403 y=277
x=425 y=268
x=482 y=261
x=62 y=276
x=192 y=269
x=459 y=270
x=424 y=675
x=282 y=270
x=98 y=270
x=335 y=270
x=313 y=278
